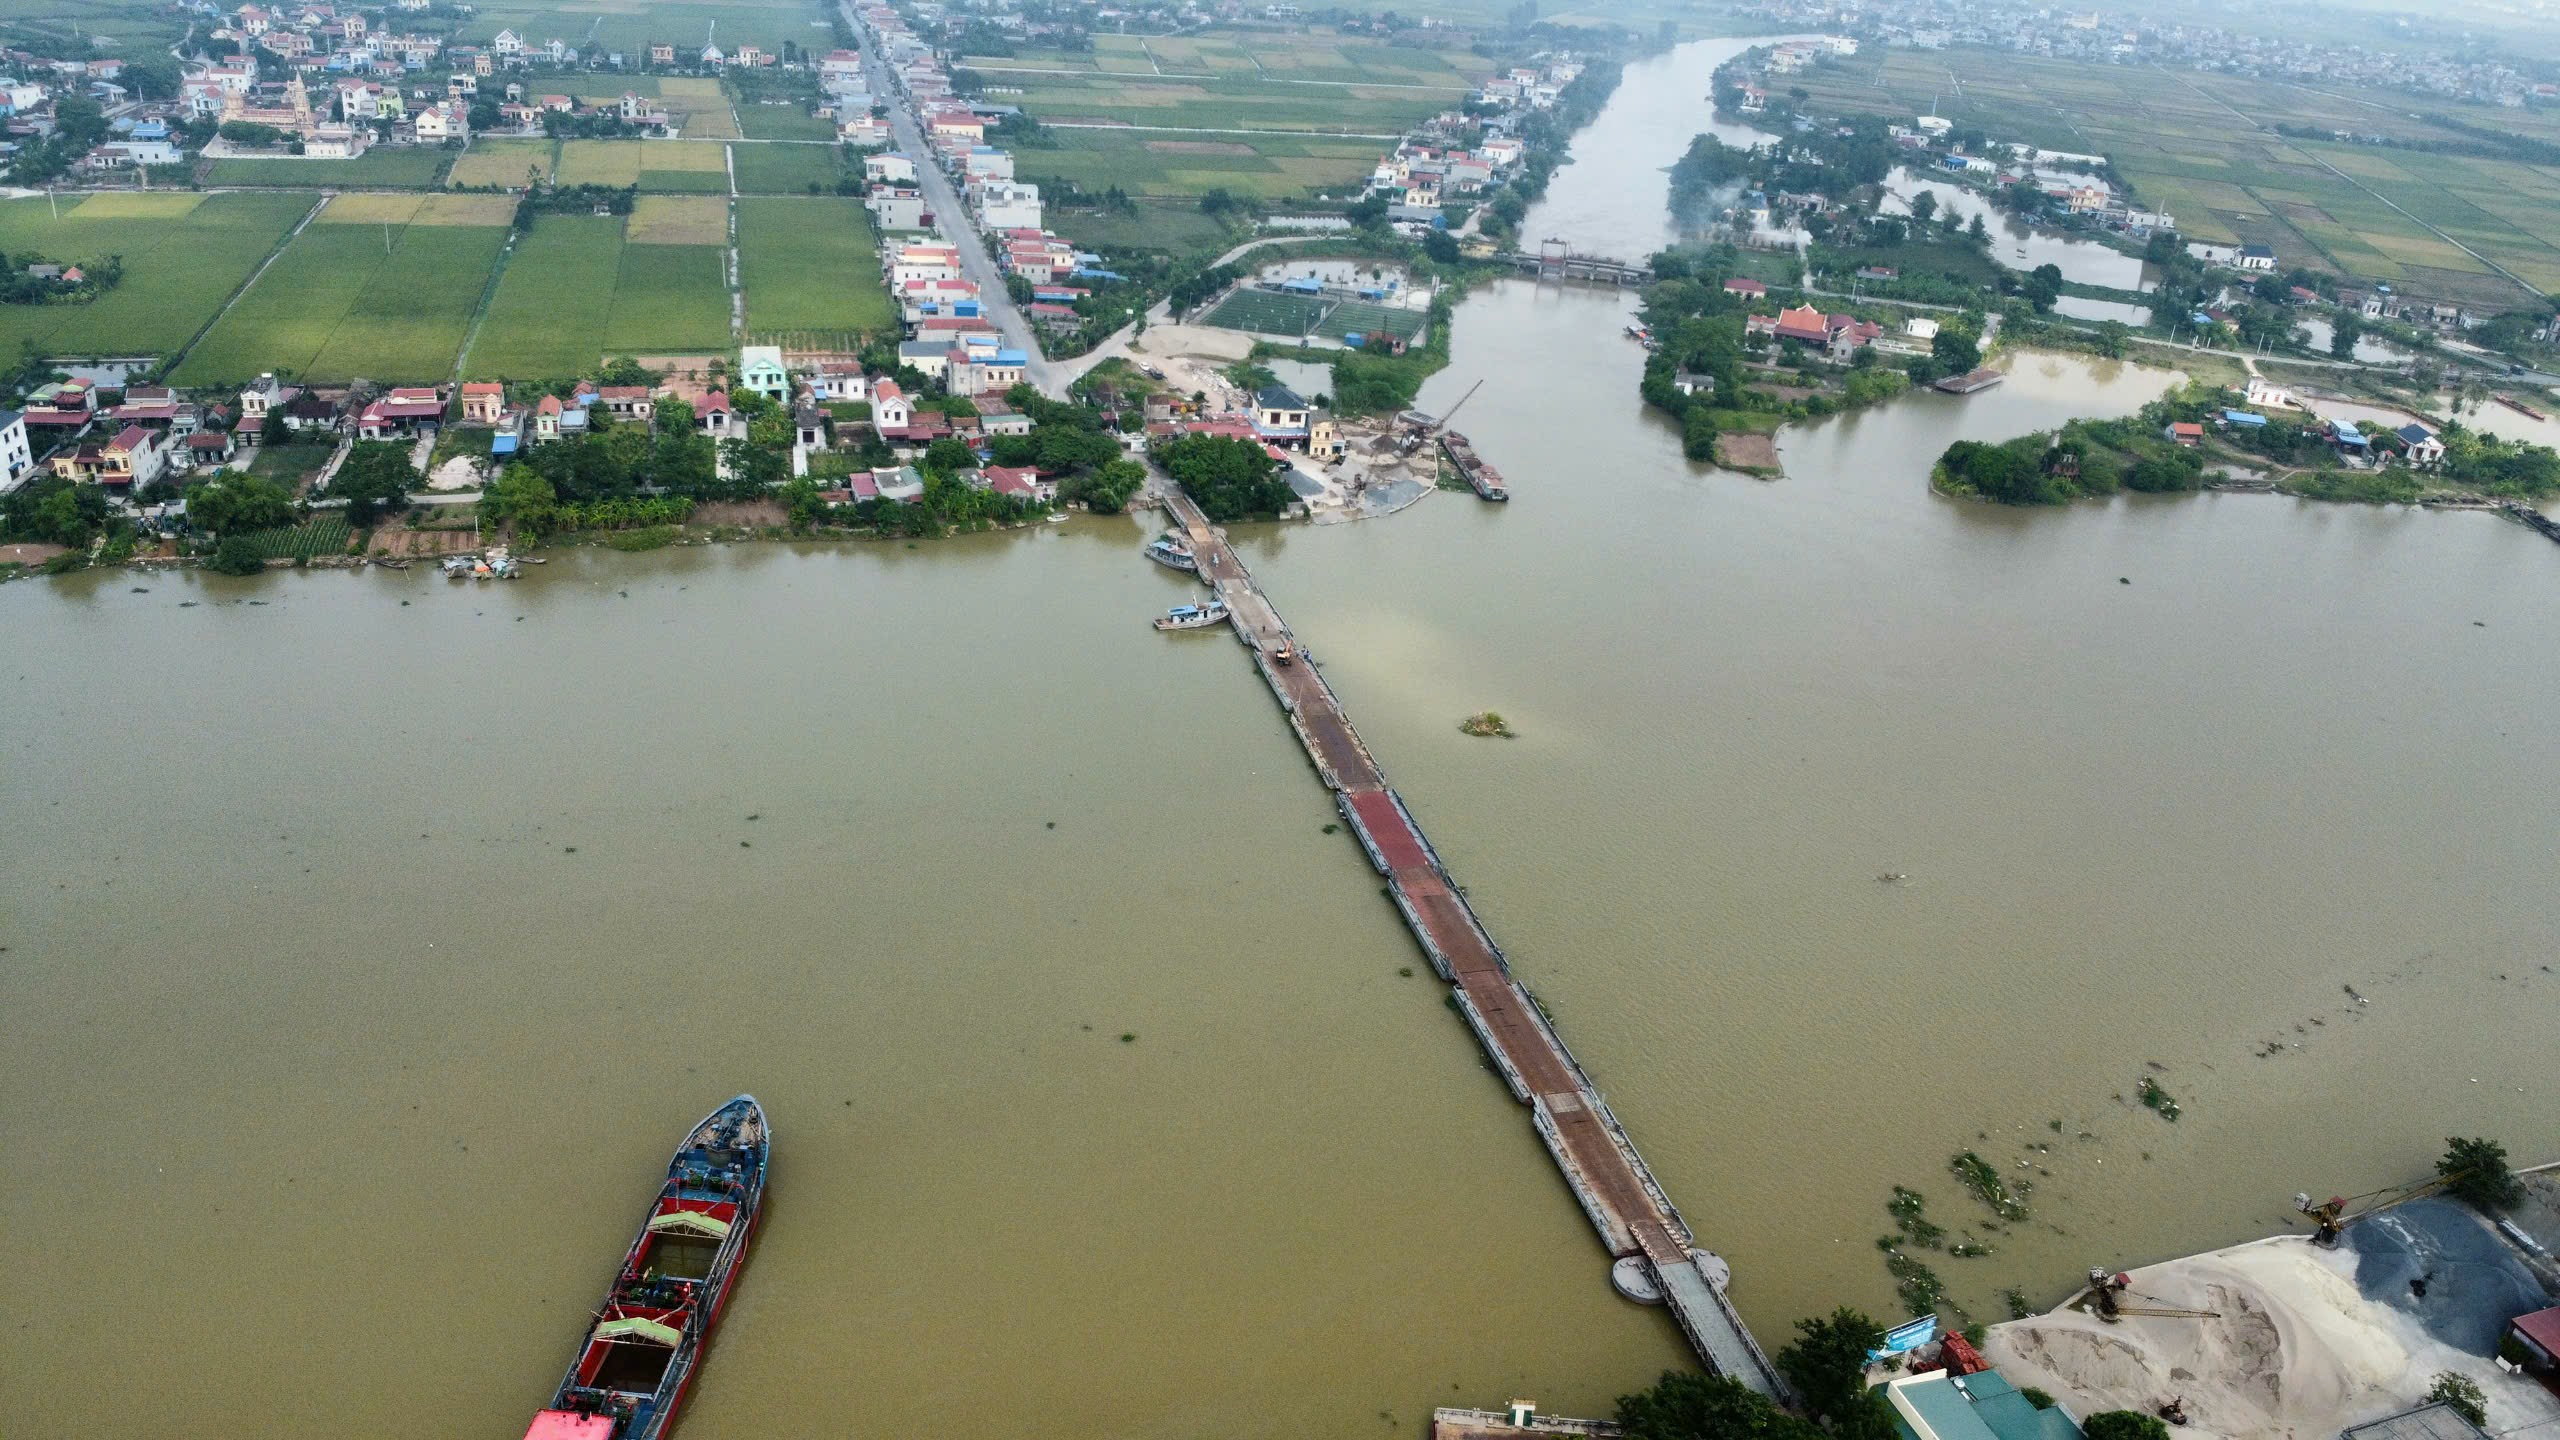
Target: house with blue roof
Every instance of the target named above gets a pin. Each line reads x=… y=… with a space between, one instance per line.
x=1980 y=1406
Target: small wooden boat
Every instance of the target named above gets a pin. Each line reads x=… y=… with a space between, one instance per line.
x=1193 y=617
x=644 y=1345
x=2519 y=407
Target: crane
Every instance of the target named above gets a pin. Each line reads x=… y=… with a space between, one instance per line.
x=1462 y=400
x=2331 y=1216
x=2105 y=1286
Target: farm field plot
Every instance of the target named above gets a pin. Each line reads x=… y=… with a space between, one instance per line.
x=577 y=291
x=674 y=165
x=782 y=169
x=386 y=167
x=2233 y=178
x=1144 y=162
x=678 y=220
x=1227 y=103
x=781 y=120
x=630 y=26
x=1169 y=227
x=504 y=162
x=184 y=255
x=367 y=297
x=811 y=265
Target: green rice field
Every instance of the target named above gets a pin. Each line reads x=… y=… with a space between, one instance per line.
x=811 y=265
x=1226 y=103
x=1315 y=54
x=631 y=26
x=504 y=161
x=672 y=166
x=1142 y=162
x=184 y=255
x=393 y=167
x=758 y=121
x=786 y=169
x=576 y=292
x=386 y=302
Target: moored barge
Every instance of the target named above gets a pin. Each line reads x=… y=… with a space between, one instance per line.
x=1477 y=471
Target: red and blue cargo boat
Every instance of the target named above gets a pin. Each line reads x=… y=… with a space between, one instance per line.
x=644 y=1345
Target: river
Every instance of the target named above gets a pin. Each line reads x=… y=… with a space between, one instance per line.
x=370 y=937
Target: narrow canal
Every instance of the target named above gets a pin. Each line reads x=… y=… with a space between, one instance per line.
x=368 y=945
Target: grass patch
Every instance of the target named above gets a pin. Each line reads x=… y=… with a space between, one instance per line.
x=289 y=464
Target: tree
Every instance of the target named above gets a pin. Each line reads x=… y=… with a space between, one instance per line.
x=239 y=504
x=237 y=555
x=2042 y=287
x=948 y=457
x=2462 y=1393
x=1440 y=246
x=1827 y=1365
x=1924 y=205
x=522 y=496
x=1106 y=490
x=2344 y=332
x=1231 y=479
x=1685 y=1405
x=374 y=477
x=2477 y=1171
x=2124 y=1425
x=2114 y=337
x=1954 y=348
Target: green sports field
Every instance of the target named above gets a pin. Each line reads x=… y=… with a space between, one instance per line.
x=184 y=255
x=811 y=265
x=1266 y=312
x=364 y=296
x=577 y=292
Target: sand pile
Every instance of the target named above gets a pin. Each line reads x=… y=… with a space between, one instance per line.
x=2293 y=1350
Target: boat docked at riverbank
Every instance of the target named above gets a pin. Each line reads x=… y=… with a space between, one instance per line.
x=1477 y=471
x=1193 y=617
x=1173 y=554
x=498 y=564
x=645 y=1344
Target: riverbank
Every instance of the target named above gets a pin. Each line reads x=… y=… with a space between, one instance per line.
x=2281 y=1338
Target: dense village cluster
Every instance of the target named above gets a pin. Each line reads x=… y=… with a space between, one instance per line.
x=329 y=81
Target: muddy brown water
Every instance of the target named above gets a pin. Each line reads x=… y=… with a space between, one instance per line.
x=365 y=958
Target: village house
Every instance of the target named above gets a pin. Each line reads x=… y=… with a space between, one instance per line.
x=809 y=428
x=891 y=411
x=713 y=417
x=838 y=380
x=207 y=449
x=2184 y=432
x=2420 y=446
x=1279 y=415
x=484 y=402
x=400 y=414
x=628 y=402
x=760 y=369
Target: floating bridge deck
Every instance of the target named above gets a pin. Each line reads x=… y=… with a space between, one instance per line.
x=1635 y=1220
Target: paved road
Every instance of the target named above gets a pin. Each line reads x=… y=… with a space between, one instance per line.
x=952 y=219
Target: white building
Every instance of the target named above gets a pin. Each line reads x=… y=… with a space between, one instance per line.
x=1005 y=205
x=17 y=460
